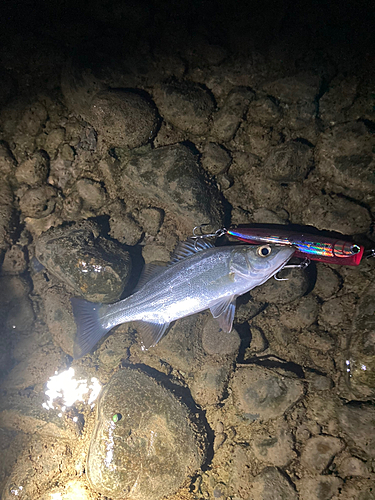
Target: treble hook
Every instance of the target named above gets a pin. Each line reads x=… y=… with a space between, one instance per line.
x=305 y=263
x=371 y=253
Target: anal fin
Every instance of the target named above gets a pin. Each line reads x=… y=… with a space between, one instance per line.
x=150 y=333
x=224 y=311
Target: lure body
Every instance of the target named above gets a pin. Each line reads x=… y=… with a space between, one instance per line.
x=311 y=246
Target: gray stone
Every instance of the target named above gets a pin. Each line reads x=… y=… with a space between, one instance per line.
x=271 y=484
x=121 y=118
x=301 y=314
x=275 y=447
x=288 y=162
x=334 y=104
x=345 y=155
x=209 y=382
x=265 y=112
x=33 y=170
x=54 y=140
x=92 y=266
x=38 y=202
x=318 y=488
x=327 y=283
x=215 y=159
x=217 y=342
x=150 y=219
x=228 y=118
x=283 y=292
x=260 y=393
x=143 y=442
x=291 y=89
x=355 y=422
x=92 y=194
x=335 y=213
x=352 y=466
x=172 y=178
x=319 y=451
x=187 y=105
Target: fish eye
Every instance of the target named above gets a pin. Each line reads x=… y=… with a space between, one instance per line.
x=116 y=417
x=264 y=251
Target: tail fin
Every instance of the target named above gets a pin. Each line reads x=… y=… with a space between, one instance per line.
x=89 y=328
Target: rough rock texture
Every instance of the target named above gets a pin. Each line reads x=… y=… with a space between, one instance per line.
x=153 y=446
x=319 y=452
x=92 y=266
x=275 y=447
x=38 y=202
x=319 y=488
x=33 y=170
x=288 y=162
x=262 y=394
x=271 y=484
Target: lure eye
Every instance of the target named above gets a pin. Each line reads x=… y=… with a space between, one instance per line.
x=264 y=251
x=355 y=249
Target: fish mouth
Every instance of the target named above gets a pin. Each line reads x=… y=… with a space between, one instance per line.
x=281 y=259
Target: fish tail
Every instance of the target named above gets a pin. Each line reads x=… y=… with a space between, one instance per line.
x=89 y=328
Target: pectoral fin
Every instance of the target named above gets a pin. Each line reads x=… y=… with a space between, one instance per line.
x=150 y=333
x=224 y=311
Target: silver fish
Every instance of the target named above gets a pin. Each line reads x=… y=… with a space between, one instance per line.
x=199 y=276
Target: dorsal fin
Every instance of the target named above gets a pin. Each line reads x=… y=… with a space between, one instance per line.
x=149 y=271
x=189 y=247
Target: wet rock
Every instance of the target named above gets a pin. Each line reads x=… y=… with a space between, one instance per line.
x=319 y=382
x=90 y=265
x=258 y=342
x=38 y=202
x=6 y=215
x=264 y=111
x=255 y=139
x=345 y=155
x=337 y=311
x=358 y=489
x=355 y=422
x=301 y=314
x=288 y=162
x=228 y=118
x=54 y=140
x=327 y=283
x=271 y=484
x=275 y=447
x=302 y=87
x=72 y=489
x=215 y=159
x=7 y=160
x=334 y=104
x=153 y=455
x=150 y=219
x=319 y=452
x=92 y=194
x=217 y=342
x=62 y=172
x=152 y=253
x=14 y=261
x=318 y=488
x=34 y=118
x=352 y=466
x=210 y=382
x=335 y=213
x=283 y=292
x=187 y=105
x=124 y=228
x=172 y=178
x=33 y=170
x=262 y=394
x=122 y=118
x=16 y=311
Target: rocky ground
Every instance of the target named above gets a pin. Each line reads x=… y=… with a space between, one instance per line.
x=124 y=126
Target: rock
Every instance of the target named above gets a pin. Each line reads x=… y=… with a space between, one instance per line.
x=92 y=194
x=121 y=118
x=255 y=139
x=334 y=213
x=345 y=155
x=34 y=170
x=228 y=118
x=352 y=466
x=210 y=382
x=215 y=159
x=318 y=382
x=264 y=111
x=91 y=266
x=288 y=162
x=72 y=489
x=38 y=202
x=54 y=140
x=271 y=484
x=318 y=488
x=262 y=394
x=157 y=445
x=16 y=311
x=187 y=105
x=124 y=228
x=152 y=253
x=7 y=160
x=327 y=283
x=301 y=314
x=283 y=292
x=355 y=422
x=150 y=219
x=6 y=215
x=172 y=178
x=14 y=261
x=217 y=342
x=319 y=452
x=358 y=489
x=302 y=87
x=34 y=119
x=337 y=311
x=334 y=104
x=275 y=447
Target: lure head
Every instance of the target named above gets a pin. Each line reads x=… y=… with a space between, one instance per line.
x=259 y=263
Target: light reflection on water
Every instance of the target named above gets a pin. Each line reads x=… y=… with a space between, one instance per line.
x=63 y=385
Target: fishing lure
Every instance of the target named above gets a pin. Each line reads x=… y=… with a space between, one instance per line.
x=308 y=245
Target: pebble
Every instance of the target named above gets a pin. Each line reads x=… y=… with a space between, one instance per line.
x=302 y=87
x=229 y=116
x=318 y=488
x=217 y=342
x=7 y=160
x=271 y=484
x=327 y=283
x=54 y=140
x=122 y=118
x=38 y=202
x=34 y=170
x=319 y=451
x=275 y=447
x=92 y=194
x=209 y=383
x=301 y=314
x=352 y=466
x=260 y=393
x=215 y=159
x=264 y=111
x=288 y=162
x=355 y=422
x=157 y=445
x=151 y=220
x=125 y=229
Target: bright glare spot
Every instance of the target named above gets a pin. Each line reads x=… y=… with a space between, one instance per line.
x=56 y=496
x=347 y=362
x=16 y=491
x=363 y=367
x=64 y=385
